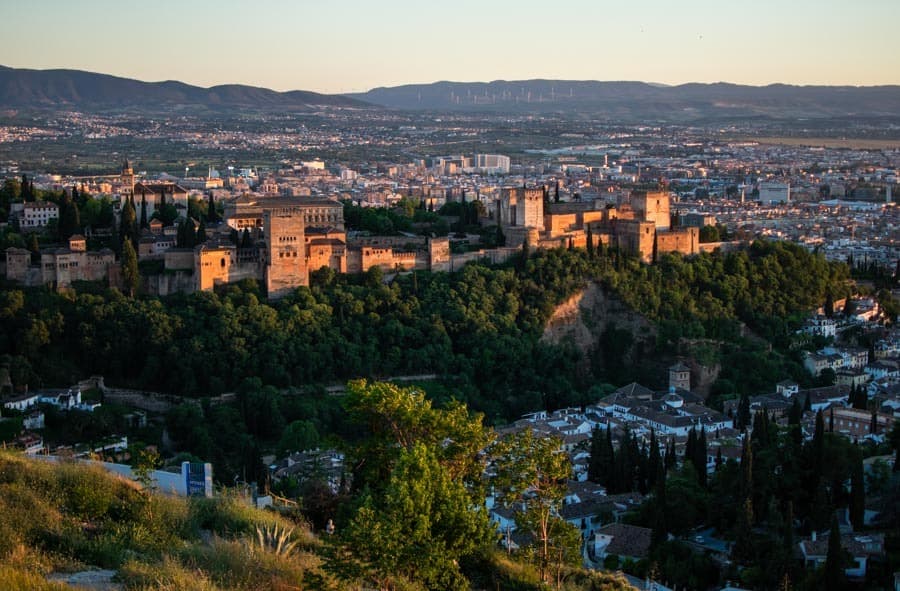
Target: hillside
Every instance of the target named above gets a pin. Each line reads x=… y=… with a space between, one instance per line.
x=60 y=519
x=73 y=522
x=636 y=100
x=90 y=91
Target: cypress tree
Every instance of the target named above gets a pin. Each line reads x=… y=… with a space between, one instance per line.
x=130 y=273
x=556 y=194
x=834 y=576
x=35 y=248
x=818 y=444
x=597 y=441
x=126 y=222
x=857 y=507
x=201 y=233
x=211 y=214
x=654 y=461
x=590 y=242
x=743 y=416
x=831 y=420
x=144 y=224
x=700 y=455
x=660 y=531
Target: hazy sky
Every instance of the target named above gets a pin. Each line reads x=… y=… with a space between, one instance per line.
x=351 y=45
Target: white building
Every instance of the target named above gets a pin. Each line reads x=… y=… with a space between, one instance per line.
x=773 y=192
x=492 y=163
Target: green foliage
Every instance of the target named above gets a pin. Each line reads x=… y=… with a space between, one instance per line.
x=532 y=473
x=420 y=467
x=130 y=274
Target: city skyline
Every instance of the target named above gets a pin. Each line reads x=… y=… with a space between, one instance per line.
x=358 y=46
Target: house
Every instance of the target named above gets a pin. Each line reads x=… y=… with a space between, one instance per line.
x=31 y=443
x=33 y=420
x=21 y=402
x=622 y=540
x=37 y=214
x=861 y=548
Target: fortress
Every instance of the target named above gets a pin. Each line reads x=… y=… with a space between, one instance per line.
x=278 y=241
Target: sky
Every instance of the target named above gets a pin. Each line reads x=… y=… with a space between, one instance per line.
x=343 y=46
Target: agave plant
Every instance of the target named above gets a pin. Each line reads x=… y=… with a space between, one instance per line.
x=275 y=539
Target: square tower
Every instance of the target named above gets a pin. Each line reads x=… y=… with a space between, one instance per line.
x=286 y=267
x=652 y=206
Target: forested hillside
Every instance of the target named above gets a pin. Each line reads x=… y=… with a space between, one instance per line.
x=481 y=325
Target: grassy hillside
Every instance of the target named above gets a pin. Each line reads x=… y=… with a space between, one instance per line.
x=71 y=517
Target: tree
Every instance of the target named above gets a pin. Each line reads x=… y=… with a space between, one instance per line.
x=834 y=577
x=857 y=507
x=421 y=467
x=212 y=216
x=69 y=220
x=127 y=220
x=532 y=473
x=422 y=526
x=130 y=273
x=144 y=224
x=829 y=305
x=298 y=436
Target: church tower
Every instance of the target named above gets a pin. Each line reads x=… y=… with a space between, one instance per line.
x=127 y=178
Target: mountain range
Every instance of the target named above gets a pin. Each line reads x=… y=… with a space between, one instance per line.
x=91 y=91
x=626 y=101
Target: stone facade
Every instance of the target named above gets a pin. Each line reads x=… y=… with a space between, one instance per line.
x=285 y=263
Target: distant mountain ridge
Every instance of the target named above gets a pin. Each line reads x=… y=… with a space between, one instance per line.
x=630 y=100
x=88 y=90
x=621 y=100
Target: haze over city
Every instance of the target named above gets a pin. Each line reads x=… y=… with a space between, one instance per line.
x=357 y=45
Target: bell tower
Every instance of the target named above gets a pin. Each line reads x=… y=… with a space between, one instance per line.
x=127 y=178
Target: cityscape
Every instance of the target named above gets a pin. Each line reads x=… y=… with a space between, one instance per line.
x=539 y=333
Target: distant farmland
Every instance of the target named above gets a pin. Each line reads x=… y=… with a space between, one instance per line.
x=818 y=142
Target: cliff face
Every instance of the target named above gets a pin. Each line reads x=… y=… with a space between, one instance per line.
x=585 y=317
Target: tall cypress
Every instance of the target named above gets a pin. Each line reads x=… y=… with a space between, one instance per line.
x=857 y=507
x=144 y=224
x=700 y=455
x=834 y=577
